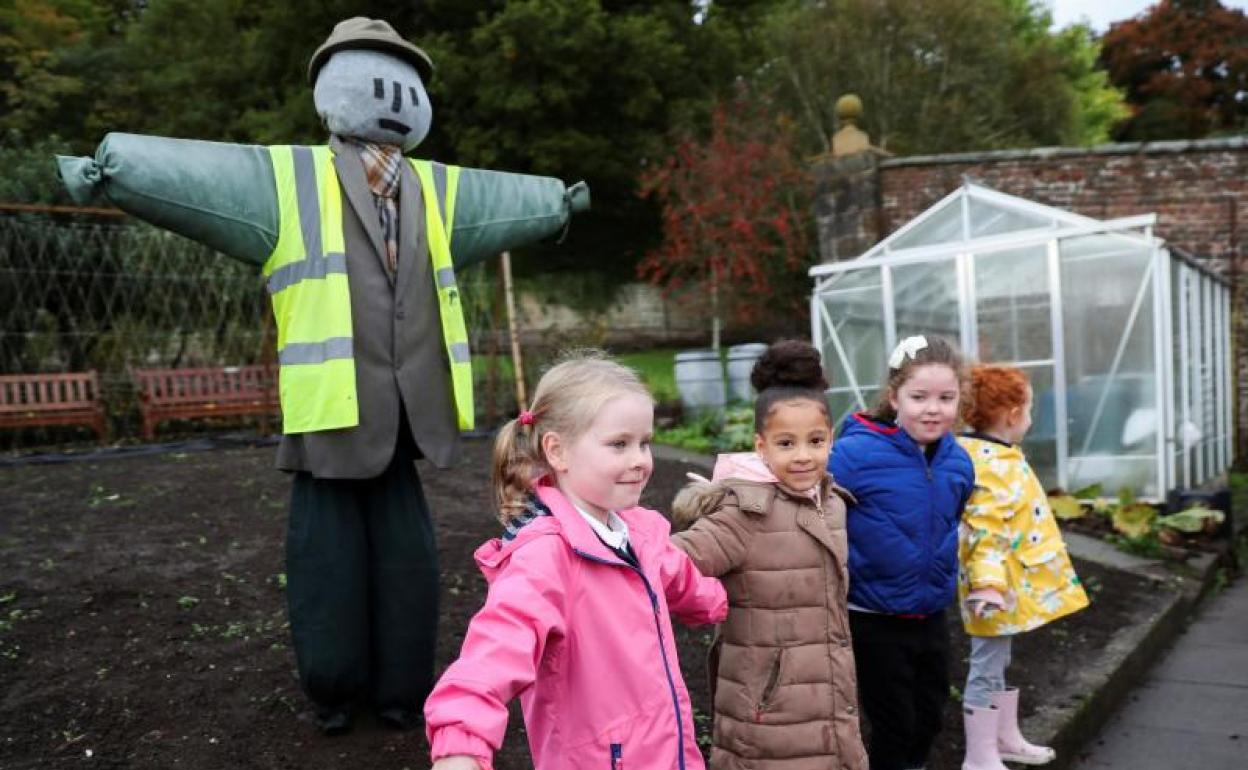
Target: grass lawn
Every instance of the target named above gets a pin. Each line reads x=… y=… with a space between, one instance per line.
x=657 y=369
x=655 y=366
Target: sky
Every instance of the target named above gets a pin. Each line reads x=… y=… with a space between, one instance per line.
x=1102 y=13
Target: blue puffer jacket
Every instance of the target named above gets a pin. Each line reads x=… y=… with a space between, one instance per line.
x=903 y=531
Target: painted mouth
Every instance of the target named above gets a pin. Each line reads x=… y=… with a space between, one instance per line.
x=393 y=125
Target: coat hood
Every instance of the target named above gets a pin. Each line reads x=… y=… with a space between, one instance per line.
x=701 y=497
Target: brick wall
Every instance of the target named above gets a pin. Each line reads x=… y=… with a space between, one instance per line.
x=1191 y=186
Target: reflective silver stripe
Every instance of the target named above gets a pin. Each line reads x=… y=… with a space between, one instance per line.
x=313 y=267
x=309 y=200
x=439 y=182
x=446 y=278
x=315 y=352
x=460 y=353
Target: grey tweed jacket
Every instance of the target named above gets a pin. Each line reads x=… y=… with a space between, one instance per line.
x=400 y=358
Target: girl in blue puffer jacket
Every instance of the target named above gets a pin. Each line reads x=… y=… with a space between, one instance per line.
x=910 y=479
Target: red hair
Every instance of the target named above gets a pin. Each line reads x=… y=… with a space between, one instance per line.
x=995 y=390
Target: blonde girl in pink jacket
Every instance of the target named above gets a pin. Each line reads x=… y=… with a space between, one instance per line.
x=576 y=622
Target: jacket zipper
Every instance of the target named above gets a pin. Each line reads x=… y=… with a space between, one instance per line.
x=667 y=668
x=931 y=512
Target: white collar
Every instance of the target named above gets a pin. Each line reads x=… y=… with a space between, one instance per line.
x=614 y=533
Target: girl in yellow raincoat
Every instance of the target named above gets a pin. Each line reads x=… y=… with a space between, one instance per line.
x=1014 y=573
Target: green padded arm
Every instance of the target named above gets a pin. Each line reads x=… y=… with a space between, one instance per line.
x=222 y=195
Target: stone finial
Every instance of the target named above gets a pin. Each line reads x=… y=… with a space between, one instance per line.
x=849 y=109
x=849 y=139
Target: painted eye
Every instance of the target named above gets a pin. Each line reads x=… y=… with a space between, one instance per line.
x=379 y=88
x=415 y=99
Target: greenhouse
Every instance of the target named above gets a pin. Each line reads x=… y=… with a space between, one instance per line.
x=1126 y=341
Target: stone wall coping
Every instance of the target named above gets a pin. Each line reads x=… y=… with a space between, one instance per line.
x=1228 y=143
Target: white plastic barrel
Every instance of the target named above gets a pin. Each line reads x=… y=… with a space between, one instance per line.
x=741 y=360
x=700 y=380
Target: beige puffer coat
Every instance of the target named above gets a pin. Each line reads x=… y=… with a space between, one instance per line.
x=782 y=666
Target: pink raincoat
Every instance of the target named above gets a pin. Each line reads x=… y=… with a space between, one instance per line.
x=585 y=641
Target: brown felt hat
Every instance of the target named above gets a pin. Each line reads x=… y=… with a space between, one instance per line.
x=371 y=34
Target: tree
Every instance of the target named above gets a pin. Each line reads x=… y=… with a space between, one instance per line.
x=583 y=89
x=735 y=216
x=44 y=45
x=940 y=75
x=30 y=169
x=1184 y=67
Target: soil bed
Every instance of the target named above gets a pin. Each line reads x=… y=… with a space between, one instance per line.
x=142 y=620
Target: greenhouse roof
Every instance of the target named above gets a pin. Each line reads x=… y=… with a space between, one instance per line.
x=974 y=216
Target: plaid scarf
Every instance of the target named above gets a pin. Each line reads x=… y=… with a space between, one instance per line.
x=533 y=508
x=381 y=168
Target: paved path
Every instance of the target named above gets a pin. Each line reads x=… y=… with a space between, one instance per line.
x=1192 y=709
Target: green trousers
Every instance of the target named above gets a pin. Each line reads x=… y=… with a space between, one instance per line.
x=362 y=587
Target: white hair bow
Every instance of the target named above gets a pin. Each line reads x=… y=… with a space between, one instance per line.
x=907 y=348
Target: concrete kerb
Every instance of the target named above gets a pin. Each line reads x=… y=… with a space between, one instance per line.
x=1075 y=715
x=702 y=464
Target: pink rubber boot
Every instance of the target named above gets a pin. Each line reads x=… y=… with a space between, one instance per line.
x=1011 y=744
x=981 y=739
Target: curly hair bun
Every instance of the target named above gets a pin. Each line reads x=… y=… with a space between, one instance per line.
x=789 y=364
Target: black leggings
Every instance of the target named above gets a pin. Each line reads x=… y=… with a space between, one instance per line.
x=903 y=683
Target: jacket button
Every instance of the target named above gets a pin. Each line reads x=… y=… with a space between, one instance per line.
x=851 y=710
x=400 y=315
x=844 y=641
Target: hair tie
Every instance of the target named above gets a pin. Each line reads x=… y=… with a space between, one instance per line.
x=526 y=417
x=907 y=348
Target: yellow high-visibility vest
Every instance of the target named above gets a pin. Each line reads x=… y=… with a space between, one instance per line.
x=307 y=282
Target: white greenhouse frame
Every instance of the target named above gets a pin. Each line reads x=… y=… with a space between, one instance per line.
x=1127 y=341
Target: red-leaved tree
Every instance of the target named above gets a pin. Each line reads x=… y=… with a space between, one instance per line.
x=1184 y=66
x=737 y=224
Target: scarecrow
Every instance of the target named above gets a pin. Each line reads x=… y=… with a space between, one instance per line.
x=359 y=246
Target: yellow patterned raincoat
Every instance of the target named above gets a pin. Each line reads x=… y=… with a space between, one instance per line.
x=1009 y=540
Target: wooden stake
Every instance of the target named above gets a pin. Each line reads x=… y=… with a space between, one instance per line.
x=516 y=362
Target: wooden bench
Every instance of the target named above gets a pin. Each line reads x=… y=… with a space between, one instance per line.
x=67 y=398
x=168 y=394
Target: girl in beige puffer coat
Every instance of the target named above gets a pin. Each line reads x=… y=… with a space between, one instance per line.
x=771 y=526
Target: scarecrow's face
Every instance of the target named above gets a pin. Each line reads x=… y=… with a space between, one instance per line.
x=373 y=96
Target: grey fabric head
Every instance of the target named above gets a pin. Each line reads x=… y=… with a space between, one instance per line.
x=373 y=96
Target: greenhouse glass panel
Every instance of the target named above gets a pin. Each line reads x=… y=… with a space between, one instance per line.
x=1195 y=406
x=1176 y=372
x=1111 y=378
x=992 y=219
x=926 y=299
x=1224 y=366
x=1013 y=306
x=941 y=225
x=851 y=311
x=1040 y=443
x=1208 y=398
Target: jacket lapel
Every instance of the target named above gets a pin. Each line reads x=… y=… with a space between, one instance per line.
x=351 y=175
x=413 y=248
x=818 y=527
x=808 y=519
